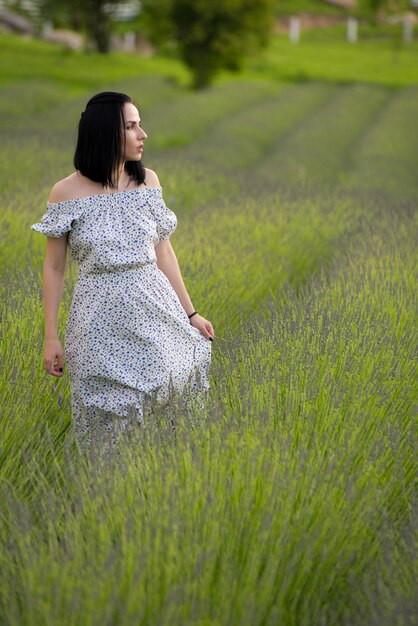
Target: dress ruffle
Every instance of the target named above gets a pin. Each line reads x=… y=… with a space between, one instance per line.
x=61 y=216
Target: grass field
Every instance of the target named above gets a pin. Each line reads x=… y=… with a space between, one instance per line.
x=291 y=500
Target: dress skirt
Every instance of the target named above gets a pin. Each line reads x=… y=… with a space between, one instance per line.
x=128 y=339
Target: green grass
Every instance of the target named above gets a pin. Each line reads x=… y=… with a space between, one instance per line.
x=325 y=55
x=293 y=7
x=321 y=7
x=291 y=499
x=321 y=55
x=74 y=72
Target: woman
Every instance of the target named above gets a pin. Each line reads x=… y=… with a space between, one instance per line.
x=132 y=331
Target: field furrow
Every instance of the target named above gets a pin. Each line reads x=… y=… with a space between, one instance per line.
x=241 y=140
x=320 y=148
x=387 y=154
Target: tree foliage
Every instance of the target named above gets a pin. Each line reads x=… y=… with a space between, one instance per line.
x=94 y=17
x=210 y=34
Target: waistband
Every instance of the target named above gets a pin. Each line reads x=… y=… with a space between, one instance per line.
x=119 y=269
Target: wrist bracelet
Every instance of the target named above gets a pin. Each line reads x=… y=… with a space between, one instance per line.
x=191 y=314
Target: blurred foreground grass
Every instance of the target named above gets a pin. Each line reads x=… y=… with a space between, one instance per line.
x=292 y=499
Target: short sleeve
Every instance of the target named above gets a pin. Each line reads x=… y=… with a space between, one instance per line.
x=165 y=219
x=57 y=220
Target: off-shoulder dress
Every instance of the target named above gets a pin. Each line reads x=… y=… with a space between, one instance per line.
x=127 y=335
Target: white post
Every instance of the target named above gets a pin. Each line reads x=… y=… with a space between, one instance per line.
x=294 y=29
x=352 y=30
x=408 y=27
x=47 y=28
x=129 y=42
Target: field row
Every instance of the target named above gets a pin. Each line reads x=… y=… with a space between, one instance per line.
x=245 y=133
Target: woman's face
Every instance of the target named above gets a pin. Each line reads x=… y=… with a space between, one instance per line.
x=134 y=134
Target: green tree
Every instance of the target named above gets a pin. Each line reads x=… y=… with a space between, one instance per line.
x=94 y=17
x=210 y=34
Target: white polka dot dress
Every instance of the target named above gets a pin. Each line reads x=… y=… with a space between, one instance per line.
x=127 y=336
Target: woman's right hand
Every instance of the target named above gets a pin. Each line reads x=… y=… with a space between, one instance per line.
x=53 y=357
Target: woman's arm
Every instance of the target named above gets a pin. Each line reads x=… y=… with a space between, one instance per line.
x=53 y=281
x=167 y=263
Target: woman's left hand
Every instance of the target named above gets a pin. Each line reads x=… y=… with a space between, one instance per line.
x=203 y=325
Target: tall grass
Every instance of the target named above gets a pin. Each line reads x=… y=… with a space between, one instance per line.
x=291 y=499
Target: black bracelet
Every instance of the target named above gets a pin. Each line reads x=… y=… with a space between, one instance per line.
x=191 y=314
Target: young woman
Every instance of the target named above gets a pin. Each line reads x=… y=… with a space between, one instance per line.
x=132 y=331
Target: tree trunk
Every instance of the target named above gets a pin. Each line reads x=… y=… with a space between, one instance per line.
x=201 y=67
x=99 y=25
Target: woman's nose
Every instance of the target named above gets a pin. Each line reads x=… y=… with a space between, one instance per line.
x=142 y=134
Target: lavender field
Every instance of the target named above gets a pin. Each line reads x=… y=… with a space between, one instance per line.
x=292 y=499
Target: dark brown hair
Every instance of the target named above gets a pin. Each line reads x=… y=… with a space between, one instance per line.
x=101 y=140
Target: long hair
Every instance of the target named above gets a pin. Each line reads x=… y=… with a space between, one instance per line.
x=101 y=141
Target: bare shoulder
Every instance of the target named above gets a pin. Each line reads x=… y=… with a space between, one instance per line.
x=151 y=178
x=65 y=189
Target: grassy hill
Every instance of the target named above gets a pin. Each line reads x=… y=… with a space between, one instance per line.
x=320 y=7
x=293 y=7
